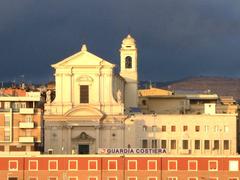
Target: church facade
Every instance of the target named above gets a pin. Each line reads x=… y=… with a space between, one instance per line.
x=88 y=110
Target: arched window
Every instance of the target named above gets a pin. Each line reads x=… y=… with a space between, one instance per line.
x=128 y=62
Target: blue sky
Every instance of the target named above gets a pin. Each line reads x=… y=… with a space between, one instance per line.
x=175 y=39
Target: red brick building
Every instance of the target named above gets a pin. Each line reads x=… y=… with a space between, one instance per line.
x=89 y=167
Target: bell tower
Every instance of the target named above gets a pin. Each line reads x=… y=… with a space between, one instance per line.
x=128 y=56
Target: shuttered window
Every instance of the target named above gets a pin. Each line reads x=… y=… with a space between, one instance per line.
x=84 y=94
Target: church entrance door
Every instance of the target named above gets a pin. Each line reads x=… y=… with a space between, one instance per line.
x=83 y=149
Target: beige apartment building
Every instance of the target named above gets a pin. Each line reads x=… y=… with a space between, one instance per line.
x=95 y=107
x=20 y=125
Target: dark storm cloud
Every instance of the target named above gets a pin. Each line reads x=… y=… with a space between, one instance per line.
x=175 y=38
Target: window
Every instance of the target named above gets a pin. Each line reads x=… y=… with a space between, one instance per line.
x=84 y=94
x=206 y=144
x=12 y=178
x=172 y=178
x=226 y=144
x=212 y=165
x=92 y=178
x=185 y=144
x=144 y=143
x=52 y=165
x=128 y=62
x=173 y=144
x=53 y=178
x=33 y=165
x=164 y=144
x=233 y=165
x=144 y=102
x=164 y=128
x=154 y=143
x=185 y=128
x=132 y=165
x=73 y=165
x=233 y=178
x=92 y=165
x=13 y=165
x=132 y=178
x=192 y=165
x=32 y=178
x=112 y=178
x=112 y=165
x=197 y=128
x=216 y=144
x=197 y=144
x=72 y=178
x=152 y=165
x=173 y=128
x=152 y=178
x=192 y=178
x=172 y=165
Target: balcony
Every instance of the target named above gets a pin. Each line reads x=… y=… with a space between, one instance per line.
x=28 y=139
x=26 y=125
x=26 y=111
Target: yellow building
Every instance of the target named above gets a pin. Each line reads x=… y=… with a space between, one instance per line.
x=21 y=121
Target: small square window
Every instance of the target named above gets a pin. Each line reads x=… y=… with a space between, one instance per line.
x=212 y=165
x=164 y=128
x=132 y=165
x=53 y=178
x=185 y=128
x=33 y=178
x=172 y=165
x=52 y=165
x=33 y=165
x=173 y=128
x=152 y=165
x=213 y=178
x=112 y=178
x=192 y=165
x=152 y=178
x=72 y=178
x=13 y=165
x=197 y=128
x=233 y=165
x=192 y=178
x=73 y=165
x=112 y=165
x=92 y=165
x=92 y=178
x=172 y=178
x=132 y=178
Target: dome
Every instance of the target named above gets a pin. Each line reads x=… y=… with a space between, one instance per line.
x=128 y=40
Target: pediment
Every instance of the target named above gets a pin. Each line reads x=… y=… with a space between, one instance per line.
x=83 y=58
x=84 y=112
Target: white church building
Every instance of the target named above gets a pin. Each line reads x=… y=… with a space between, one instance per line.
x=88 y=110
